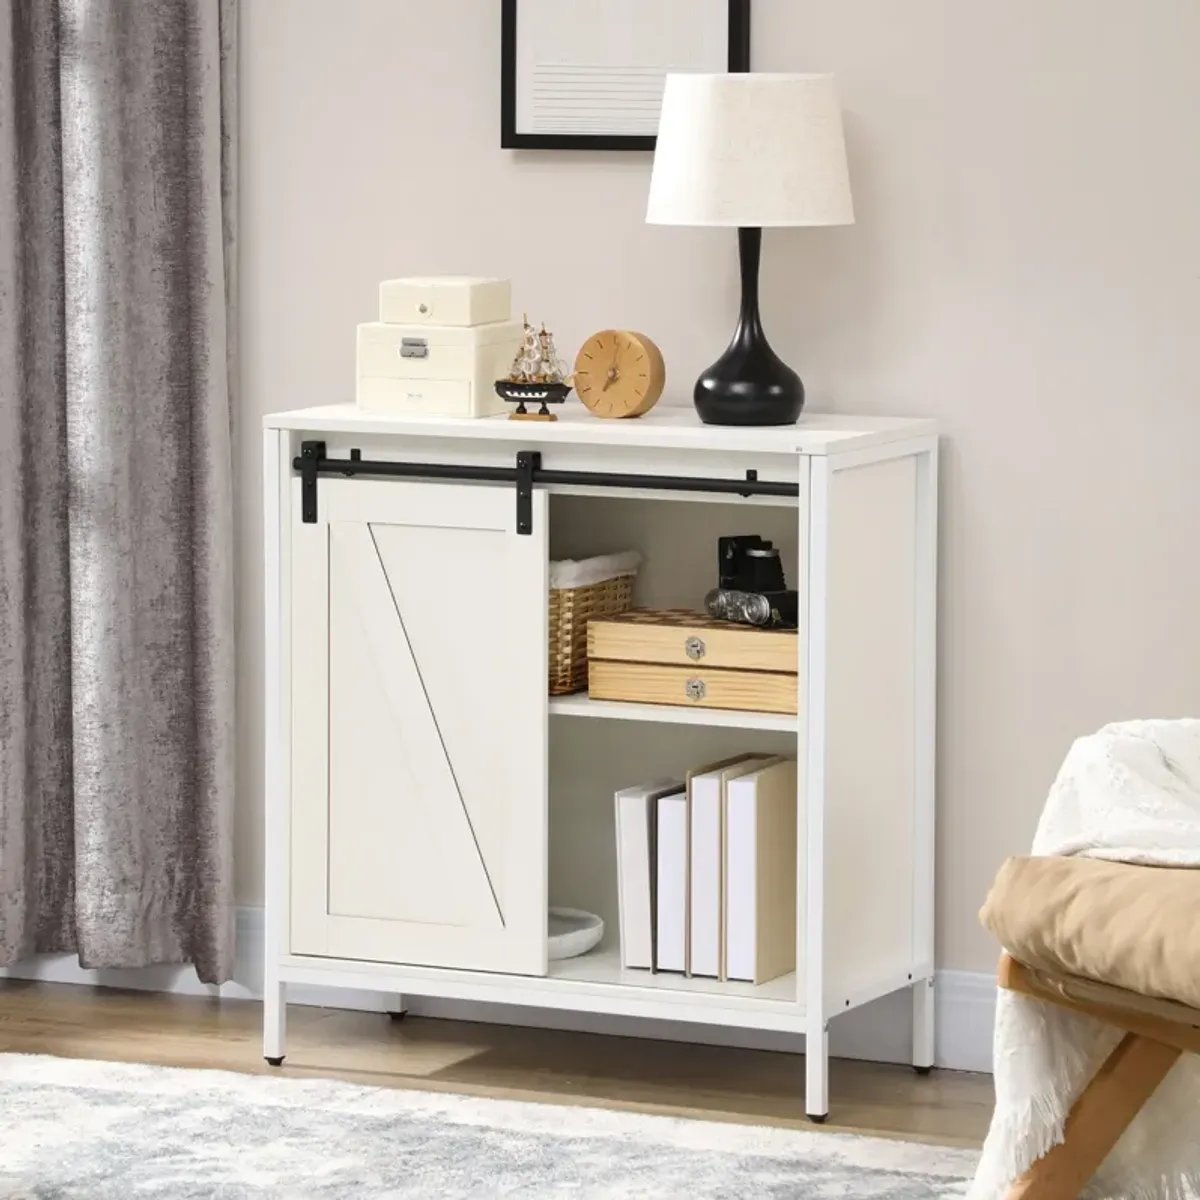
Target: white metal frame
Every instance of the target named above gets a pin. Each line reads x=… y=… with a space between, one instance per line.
x=693 y=1000
x=814 y=622
x=924 y=874
x=276 y=767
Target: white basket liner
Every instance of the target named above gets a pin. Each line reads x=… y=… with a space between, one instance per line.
x=576 y=573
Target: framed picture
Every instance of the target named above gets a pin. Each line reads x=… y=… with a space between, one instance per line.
x=588 y=74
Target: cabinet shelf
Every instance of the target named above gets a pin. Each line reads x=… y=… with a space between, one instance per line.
x=581 y=705
x=603 y=966
x=594 y=982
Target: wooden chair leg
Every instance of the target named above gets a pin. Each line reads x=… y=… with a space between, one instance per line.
x=1097 y=1119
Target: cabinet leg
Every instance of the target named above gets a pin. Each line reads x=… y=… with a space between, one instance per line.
x=274 y=1021
x=816 y=1071
x=395 y=1006
x=924 y=1028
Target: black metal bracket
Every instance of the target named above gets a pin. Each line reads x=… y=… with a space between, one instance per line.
x=312 y=455
x=527 y=474
x=528 y=461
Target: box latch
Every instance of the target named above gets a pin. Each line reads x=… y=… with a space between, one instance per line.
x=414 y=348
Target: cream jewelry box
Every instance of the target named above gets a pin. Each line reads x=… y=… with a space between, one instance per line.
x=444 y=370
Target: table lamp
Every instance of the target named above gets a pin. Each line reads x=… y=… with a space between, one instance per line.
x=750 y=150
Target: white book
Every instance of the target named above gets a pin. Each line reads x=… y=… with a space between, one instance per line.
x=636 y=884
x=760 y=873
x=706 y=844
x=671 y=929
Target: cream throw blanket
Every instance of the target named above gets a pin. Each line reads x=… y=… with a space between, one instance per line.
x=1130 y=793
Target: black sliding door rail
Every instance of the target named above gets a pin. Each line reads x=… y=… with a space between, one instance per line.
x=526 y=474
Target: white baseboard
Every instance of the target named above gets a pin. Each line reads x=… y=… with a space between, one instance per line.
x=966 y=1017
x=878 y=1032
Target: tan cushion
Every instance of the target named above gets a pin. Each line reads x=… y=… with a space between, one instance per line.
x=1136 y=928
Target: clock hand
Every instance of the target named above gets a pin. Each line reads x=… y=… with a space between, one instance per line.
x=613 y=374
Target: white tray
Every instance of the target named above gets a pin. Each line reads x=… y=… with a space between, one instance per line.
x=572 y=932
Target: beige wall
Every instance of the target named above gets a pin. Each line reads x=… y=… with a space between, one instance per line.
x=1026 y=267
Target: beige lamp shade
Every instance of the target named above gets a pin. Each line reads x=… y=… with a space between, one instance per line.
x=750 y=150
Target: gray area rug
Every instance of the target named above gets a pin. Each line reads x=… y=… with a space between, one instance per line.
x=76 y=1128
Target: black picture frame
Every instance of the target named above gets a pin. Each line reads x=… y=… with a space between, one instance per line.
x=510 y=139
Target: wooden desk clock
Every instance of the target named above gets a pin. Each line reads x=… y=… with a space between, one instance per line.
x=619 y=373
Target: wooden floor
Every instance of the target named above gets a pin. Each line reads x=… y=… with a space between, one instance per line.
x=491 y=1060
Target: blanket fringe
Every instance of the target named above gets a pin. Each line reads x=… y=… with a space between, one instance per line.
x=1019 y=1136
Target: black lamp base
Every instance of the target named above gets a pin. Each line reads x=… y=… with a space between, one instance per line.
x=749 y=384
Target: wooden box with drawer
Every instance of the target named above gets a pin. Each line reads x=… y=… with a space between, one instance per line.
x=676 y=656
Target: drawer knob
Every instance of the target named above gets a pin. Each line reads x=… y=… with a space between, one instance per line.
x=695 y=689
x=422 y=309
x=694 y=648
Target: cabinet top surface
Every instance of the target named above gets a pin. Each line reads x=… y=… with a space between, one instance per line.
x=668 y=426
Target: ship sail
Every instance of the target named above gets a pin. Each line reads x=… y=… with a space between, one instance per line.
x=537 y=360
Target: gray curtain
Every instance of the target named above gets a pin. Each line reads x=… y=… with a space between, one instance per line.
x=117 y=122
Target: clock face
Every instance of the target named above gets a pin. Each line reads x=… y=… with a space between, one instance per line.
x=619 y=373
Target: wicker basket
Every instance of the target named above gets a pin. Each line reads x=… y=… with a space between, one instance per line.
x=602 y=587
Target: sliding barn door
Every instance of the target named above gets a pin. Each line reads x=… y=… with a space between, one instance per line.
x=419 y=727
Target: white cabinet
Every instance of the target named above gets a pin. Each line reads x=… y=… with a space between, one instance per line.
x=426 y=801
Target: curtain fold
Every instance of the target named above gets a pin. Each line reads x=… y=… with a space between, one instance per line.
x=117 y=237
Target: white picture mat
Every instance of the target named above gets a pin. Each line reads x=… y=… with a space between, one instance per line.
x=597 y=66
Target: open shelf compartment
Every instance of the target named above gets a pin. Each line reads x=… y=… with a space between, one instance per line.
x=589 y=762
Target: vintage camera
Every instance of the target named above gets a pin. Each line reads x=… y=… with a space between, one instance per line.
x=751 y=587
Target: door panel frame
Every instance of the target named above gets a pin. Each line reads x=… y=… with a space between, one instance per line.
x=520 y=946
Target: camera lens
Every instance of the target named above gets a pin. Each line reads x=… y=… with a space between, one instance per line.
x=747 y=608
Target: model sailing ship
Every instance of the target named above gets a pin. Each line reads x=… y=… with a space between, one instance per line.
x=536 y=375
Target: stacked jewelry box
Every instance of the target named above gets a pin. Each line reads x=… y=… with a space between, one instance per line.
x=438 y=347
